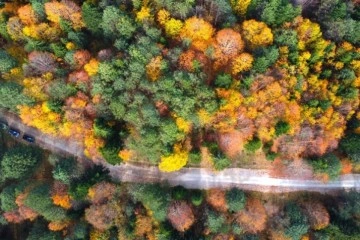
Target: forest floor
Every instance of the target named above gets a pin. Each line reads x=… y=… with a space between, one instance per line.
x=296 y=177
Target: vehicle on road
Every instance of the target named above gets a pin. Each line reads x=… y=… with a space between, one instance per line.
x=3 y=125
x=14 y=132
x=29 y=138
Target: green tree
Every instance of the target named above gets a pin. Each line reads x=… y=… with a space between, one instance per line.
x=235 y=199
x=11 y=96
x=92 y=16
x=329 y=164
x=264 y=58
x=215 y=222
x=253 y=145
x=7 y=198
x=40 y=231
x=79 y=186
x=154 y=197
x=65 y=169
x=297 y=222
x=289 y=38
x=18 y=162
x=223 y=80
x=281 y=127
x=7 y=62
x=59 y=90
x=38 y=6
x=81 y=230
x=102 y=129
x=39 y=200
x=221 y=162
x=169 y=132
x=276 y=12
x=110 y=153
x=350 y=145
x=197 y=197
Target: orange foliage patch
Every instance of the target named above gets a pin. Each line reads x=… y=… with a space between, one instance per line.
x=58 y=226
x=101 y=192
x=27 y=14
x=346 y=166
x=63 y=201
x=13 y=217
x=228 y=44
x=318 y=215
x=231 y=143
x=81 y=57
x=143 y=225
x=216 y=199
x=180 y=215
x=253 y=218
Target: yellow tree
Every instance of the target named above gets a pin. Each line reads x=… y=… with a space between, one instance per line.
x=41 y=117
x=174 y=161
x=257 y=34
x=143 y=14
x=240 y=6
x=173 y=27
x=92 y=67
x=198 y=31
x=153 y=69
x=241 y=63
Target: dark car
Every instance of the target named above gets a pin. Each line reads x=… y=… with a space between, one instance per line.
x=3 y=125
x=14 y=132
x=29 y=138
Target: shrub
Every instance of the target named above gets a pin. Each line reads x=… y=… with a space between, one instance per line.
x=253 y=145
x=281 y=127
x=197 y=197
x=221 y=162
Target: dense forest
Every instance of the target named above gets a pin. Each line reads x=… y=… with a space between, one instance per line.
x=48 y=197
x=176 y=83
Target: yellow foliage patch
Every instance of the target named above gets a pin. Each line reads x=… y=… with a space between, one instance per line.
x=198 y=31
x=175 y=161
x=92 y=67
x=173 y=27
x=242 y=63
x=143 y=14
x=183 y=125
x=240 y=6
x=125 y=154
x=163 y=16
x=257 y=33
x=153 y=69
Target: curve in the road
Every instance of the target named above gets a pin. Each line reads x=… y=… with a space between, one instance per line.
x=248 y=179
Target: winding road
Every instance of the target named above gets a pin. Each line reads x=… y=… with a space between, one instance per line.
x=195 y=178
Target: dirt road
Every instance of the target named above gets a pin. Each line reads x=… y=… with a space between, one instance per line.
x=248 y=179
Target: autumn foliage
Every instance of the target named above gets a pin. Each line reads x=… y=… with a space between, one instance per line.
x=253 y=219
x=180 y=215
x=318 y=215
x=259 y=69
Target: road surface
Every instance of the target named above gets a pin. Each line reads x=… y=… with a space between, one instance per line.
x=196 y=178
